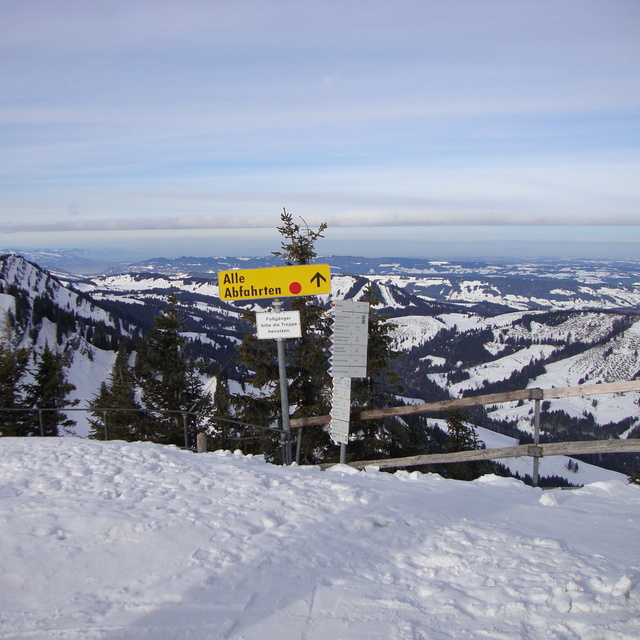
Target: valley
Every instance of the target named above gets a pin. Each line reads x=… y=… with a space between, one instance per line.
x=462 y=328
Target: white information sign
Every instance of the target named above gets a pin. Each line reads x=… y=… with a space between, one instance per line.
x=278 y=324
x=340 y=410
x=350 y=338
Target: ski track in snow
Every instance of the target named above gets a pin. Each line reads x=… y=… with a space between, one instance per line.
x=114 y=541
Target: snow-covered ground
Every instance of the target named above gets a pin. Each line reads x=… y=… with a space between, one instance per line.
x=414 y=331
x=108 y=540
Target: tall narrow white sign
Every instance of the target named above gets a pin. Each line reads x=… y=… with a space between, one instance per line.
x=350 y=337
x=340 y=410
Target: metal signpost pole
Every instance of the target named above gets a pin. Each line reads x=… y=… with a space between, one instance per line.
x=284 y=391
x=185 y=428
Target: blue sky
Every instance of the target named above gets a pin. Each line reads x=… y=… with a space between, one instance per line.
x=407 y=126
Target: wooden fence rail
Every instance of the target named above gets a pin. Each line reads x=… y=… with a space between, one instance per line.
x=476 y=401
x=535 y=451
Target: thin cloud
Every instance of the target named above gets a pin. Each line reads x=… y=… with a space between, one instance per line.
x=166 y=115
x=350 y=219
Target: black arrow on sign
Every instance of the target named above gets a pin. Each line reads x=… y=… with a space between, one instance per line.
x=318 y=277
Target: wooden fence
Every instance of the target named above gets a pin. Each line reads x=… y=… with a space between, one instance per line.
x=476 y=401
x=535 y=450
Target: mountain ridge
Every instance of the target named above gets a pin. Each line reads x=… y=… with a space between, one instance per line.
x=466 y=339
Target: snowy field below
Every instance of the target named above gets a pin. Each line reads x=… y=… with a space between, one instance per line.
x=114 y=541
x=574 y=471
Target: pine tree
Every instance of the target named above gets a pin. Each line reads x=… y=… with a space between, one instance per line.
x=306 y=359
x=298 y=246
x=310 y=380
x=14 y=364
x=119 y=392
x=101 y=400
x=169 y=382
x=463 y=437
x=49 y=390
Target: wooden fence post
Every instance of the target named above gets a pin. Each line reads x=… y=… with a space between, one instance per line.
x=535 y=452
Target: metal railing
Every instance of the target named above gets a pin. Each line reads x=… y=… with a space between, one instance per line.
x=535 y=451
x=285 y=440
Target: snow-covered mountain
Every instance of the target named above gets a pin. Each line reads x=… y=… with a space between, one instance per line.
x=520 y=285
x=464 y=328
x=553 y=284
x=46 y=311
x=110 y=540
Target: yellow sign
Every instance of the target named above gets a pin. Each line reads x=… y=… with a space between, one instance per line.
x=274 y=282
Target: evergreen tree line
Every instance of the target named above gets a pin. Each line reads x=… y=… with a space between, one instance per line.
x=31 y=383
x=156 y=392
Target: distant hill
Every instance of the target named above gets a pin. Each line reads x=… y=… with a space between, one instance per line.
x=463 y=328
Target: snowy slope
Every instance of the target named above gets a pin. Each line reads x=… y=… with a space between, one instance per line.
x=547 y=466
x=130 y=282
x=495 y=370
x=615 y=360
x=16 y=271
x=605 y=353
x=138 y=541
x=86 y=366
x=413 y=331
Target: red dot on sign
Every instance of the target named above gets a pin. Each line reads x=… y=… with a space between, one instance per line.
x=295 y=287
